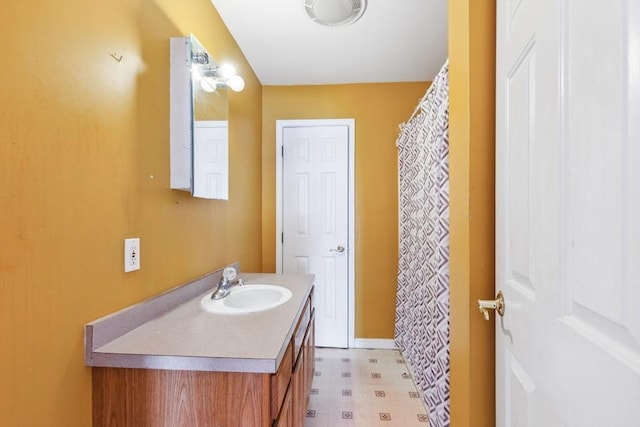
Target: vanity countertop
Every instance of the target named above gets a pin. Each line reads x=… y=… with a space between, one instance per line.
x=186 y=337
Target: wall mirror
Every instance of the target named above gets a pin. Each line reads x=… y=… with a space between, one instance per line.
x=199 y=120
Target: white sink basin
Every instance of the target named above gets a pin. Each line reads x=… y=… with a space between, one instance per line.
x=247 y=299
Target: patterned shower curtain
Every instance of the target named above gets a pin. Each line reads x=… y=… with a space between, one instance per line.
x=422 y=305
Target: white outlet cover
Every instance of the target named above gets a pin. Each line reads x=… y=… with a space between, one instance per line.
x=131 y=254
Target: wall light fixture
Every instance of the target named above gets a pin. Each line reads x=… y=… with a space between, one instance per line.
x=220 y=76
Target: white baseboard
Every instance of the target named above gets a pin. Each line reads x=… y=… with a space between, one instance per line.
x=383 y=343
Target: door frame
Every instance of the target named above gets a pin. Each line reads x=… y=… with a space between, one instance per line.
x=351 y=244
x=472 y=76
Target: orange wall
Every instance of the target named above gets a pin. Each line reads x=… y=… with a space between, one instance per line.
x=84 y=163
x=378 y=109
x=471 y=165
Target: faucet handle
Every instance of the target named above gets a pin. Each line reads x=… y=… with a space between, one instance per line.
x=229 y=273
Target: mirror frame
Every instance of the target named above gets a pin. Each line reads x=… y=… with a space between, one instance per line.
x=198 y=153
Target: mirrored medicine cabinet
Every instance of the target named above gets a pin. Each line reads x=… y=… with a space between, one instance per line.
x=199 y=122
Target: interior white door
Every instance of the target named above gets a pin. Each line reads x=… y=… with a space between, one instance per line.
x=315 y=193
x=211 y=159
x=568 y=213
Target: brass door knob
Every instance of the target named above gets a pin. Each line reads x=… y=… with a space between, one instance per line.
x=484 y=305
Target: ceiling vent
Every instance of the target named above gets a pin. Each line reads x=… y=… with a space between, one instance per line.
x=335 y=13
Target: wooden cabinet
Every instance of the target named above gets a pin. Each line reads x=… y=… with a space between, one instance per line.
x=303 y=376
x=152 y=397
x=297 y=392
x=280 y=382
x=310 y=357
x=285 y=418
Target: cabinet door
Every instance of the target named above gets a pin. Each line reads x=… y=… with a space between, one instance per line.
x=280 y=382
x=285 y=419
x=299 y=391
x=310 y=360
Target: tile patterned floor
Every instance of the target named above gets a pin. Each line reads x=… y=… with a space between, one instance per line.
x=363 y=387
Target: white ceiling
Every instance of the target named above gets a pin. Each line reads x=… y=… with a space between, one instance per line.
x=394 y=41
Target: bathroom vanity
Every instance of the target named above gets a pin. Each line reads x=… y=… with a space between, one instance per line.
x=168 y=362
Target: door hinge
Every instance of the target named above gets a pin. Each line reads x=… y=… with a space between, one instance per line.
x=282 y=151
x=281 y=237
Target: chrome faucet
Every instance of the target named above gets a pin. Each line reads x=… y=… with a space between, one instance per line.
x=227 y=280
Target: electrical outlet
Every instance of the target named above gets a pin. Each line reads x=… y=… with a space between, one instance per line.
x=131 y=254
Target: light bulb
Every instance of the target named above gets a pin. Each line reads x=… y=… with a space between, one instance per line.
x=236 y=83
x=227 y=71
x=208 y=84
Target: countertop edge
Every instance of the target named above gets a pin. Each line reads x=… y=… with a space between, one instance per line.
x=182 y=363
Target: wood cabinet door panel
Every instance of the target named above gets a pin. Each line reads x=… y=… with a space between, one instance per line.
x=151 y=398
x=286 y=413
x=280 y=382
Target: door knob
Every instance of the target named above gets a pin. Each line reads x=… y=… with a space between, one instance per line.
x=497 y=304
x=339 y=249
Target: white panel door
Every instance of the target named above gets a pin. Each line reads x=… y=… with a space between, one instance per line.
x=568 y=213
x=211 y=159
x=315 y=193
